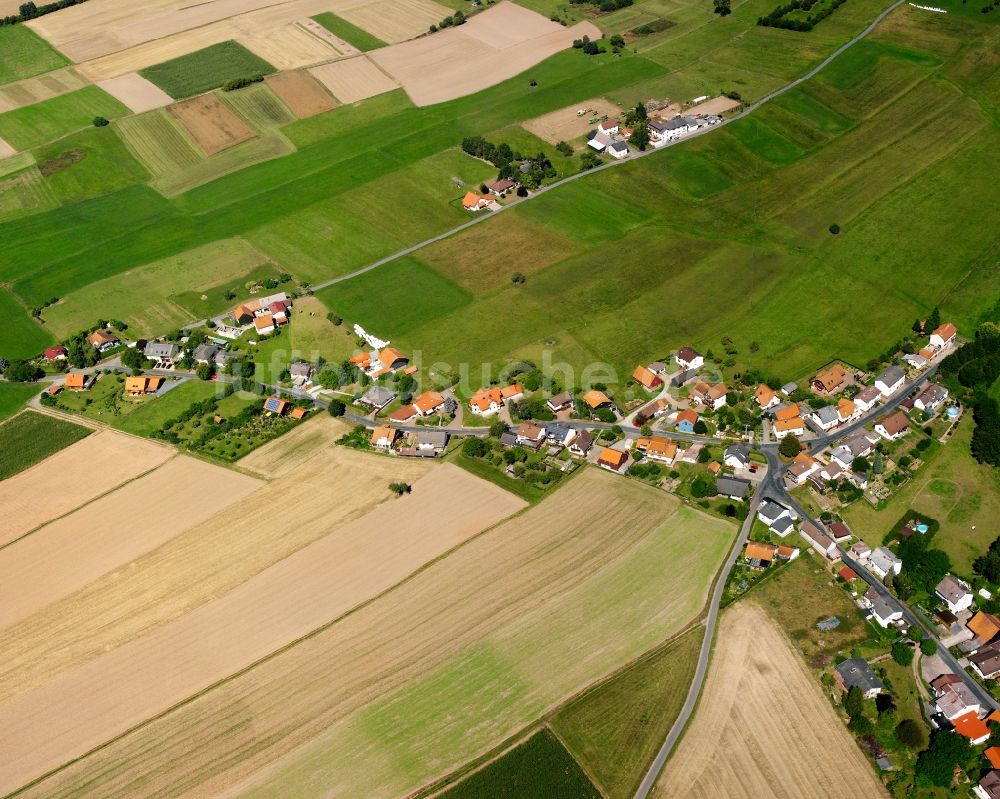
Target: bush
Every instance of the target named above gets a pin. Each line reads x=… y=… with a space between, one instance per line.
x=400 y=488
x=239 y=83
x=910 y=734
x=928 y=646
x=474 y=448
x=902 y=653
x=790 y=446
x=336 y=408
x=100 y=122
x=835 y=228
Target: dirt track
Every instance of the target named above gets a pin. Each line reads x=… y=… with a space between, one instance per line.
x=763 y=727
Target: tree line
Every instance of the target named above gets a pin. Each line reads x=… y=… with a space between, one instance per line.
x=509 y=162
x=975 y=368
x=778 y=16
x=31 y=11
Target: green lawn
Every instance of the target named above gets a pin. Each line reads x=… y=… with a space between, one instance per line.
x=149 y=418
x=206 y=69
x=24 y=54
x=23 y=336
x=486 y=471
x=31 y=437
x=351 y=34
x=616 y=727
x=43 y=122
x=13 y=396
x=539 y=768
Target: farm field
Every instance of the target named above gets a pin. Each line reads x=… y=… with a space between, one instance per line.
x=301 y=93
x=13 y=396
x=31 y=437
x=66 y=555
x=84 y=470
x=135 y=92
x=353 y=79
x=42 y=122
x=42 y=87
x=423 y=655
x=212 y=125
x=24 y=54
x=763 y=726
x=352 y=34
x=616 y=728
x=149 y=417
x=206 y=69
x=25 y=337
x=964 y=496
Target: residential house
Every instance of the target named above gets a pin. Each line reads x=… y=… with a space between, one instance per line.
x=389 y=359
x=819 y=541
x=404 y=414
x=608 y=127
x=78 y=382
x=560 y=402
x=301 y=373
x=688 y=358
x=56 y=353
x=860 y=551
x=598 y=141
x=646 y=378
x=986 y=661
x=595 y=399
x=102 y=340
x=686 y=420
x=890 y=381
x=264 y=324
x=843 y=456
x=802 y=468
x=858 y=673
x=770 y=511
x=559 y=435
x=847 y=411
x=789 y=427
x=613 y=459
x=839 y=531
x=826 y=418
x=276 y=405
x=617 y=149
x=992 y=754
x=654 y=409
x=737 y=456
x=789 y=388
x=788 y=553
x=713 y=397
x=661 y=450
x=427 y=403
x=989 y=786
x=847 y=574
x=206 y=353
x=486 y=401
x=868 y=398
x=732 y=487
x=531 y=435
x=955 y=593
x=970 y=726
x=931 y=398
x=759 y=555
x=435 y=440
x=161 y=352
x=663 y=130
x=893 y=427
x=984 y=627
x=832 y=471
x=882 y=612
x=499 y=187
x=243 y=314
x=954 y=698
x=682 y=377
x=765 y=397
x=476 y=202
x=581 y=444
x=884 y=562
x=377 y=397
x=138 y=386
x=943 y=336
x=384 y=437
x=298 y=413
x=830 y=380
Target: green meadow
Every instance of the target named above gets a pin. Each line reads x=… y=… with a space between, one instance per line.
x=24 y=54
x=43 y=122
x=206 y=69
x=351 y=34
x=13 y=396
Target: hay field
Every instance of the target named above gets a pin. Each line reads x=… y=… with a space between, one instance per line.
x=37 y=89
x=299 y=44
x=303 y=95
x=104 y=697
x=565 y=125
x=212 y=125
x=134 y=91
x=73 y=477
x=353 y=79
x=391 y=21
x=110 y=532
x=497 y=44
x=763 y=726
x=441 y=668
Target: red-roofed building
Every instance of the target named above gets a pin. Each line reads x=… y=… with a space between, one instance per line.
x=993 y=755
x=970 y=726
x=56 y=353
x=848 y=574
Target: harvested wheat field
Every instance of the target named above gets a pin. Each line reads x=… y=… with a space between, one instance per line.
x=212 y=125
x=391 y=21
x=136 y=93
x=104 y=697
x=354 y=79
x=439 y=669
x=566 y=125
x=6 y=150
x=97 y=464
x=111 y=532
x=303 y=95
x=43 y=87
x=491 y=47
x=295 y=45
x=763 y=726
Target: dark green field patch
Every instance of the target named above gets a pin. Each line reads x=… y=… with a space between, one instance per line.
x=539 y=768
x=43 y=122
x=23 y=337
x=396 y=298
x=207 y=69
x=89 y=163
x=24 y=54
x=802 y=103
x=30 y=438
x=351 y=34
x=13 y=396
x=696 y=175
x=764 y=141
x=581 y=212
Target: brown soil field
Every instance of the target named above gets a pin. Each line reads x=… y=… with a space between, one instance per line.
x=78 y=710
x=354 y=79
x=135 y=92
x=111 y=532
x=716 y=105
x=565 y=125
x=763 y=726
x=42 y=87
x=439 y=669
x=303 y=95
x=391 y=21
x=72 y=477
x=212 y=125
x=6 y=150
x=491 y=47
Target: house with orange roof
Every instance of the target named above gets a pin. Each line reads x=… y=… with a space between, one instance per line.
x=384 y=437
x=612 y=459
x=595 y=399
x=298 y=413
x=766 y=397
x=488 y=400
x=264 y=324
x=830 y=380
x=993 y=754
x=759 y=555
x=984 y=626
x=661 y=449
x=276 y=405
x=476 y=202
x=243 y=314
x=646 y=378
x=846 y=410
x=403 y=415
x=78 y=382
x=102 y=340
x=512 y=393
x=943 y=336
x=713 y=397
x=970 y=726
x=686 y=420
x=427 y=403
x=138 y=386
x=801 y=468
x=790 y=411
x=789 y=427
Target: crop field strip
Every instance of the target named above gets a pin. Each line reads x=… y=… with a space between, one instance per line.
x=42 y=122
x=206 y=69
x=385 y=685
x=39 y=88
x=24 y=54
x=31 y=437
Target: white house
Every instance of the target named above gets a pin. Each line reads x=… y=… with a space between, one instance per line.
x=771 y=512
x=826 y=418
x=943 y=336
x=955 y=593
x=931 y=398
x=860 y=551
x=893 y=427
x=989 y=786
x=883 y=563
x=788 y=427
x=737 y=456
x=688 y=358
x=890 y=380
x=664 y=130
x=882 y=612
x=868 y=398
x=608 y=127
x=617 y=149
x=842 y=455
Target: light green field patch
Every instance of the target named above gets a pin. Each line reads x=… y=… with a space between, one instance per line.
x=48 y=120
x=88 y=163
x=149 y=417
x=13 y=396
x=143 y=297
x=25 y=193
x=259 y=106
x=801 y=103
x=763 y=141
x=580 y=211
x=24 y=54
x=160 y=143
x=24 y=337
x=696 y=175
x=16 y=163
x=943 y=488
x=351 y=34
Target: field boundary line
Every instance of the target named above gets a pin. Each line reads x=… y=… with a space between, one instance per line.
x=611 y=164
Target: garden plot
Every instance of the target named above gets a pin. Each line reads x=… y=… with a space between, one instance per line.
x=211 y=123
x=134 y=91
x=491 y=47
x=303 y=95
x=354 y=79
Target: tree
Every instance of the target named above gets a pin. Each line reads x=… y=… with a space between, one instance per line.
x=928 y=646
x=854 y=702
x=703 y=487
x=203 y=371
x=497 y=428
x=934 y=320
x=988 y=565
x=133 y=359
x=910 y=734
x=790 y=446
x=400 y=488
x=861 y=465
x=100 y=122
x=28 y=11
x=704 y=456
x=902 y=653
x=936 y=764
x=835 y=228
x=617 y=41
x=22 y=372
x=518 y=279
x=474 y=448
x=723 y=8
x=640 y=135
x=336 y=407
x=700 y=428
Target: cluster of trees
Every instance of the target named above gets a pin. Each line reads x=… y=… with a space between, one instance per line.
x=923 y=566
x=509 y=162
x=988 y=565
x=458 y=18
x=975 y=367
x=22 y=372
x=589 y=46
x=31 y=11
x=778 y=17
x=936 y=764
x=530 y=471
x=239 y=83
x=723 y=7
x=604 y=5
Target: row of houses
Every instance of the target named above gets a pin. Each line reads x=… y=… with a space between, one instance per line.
x=422 y=444
x=265 y=314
